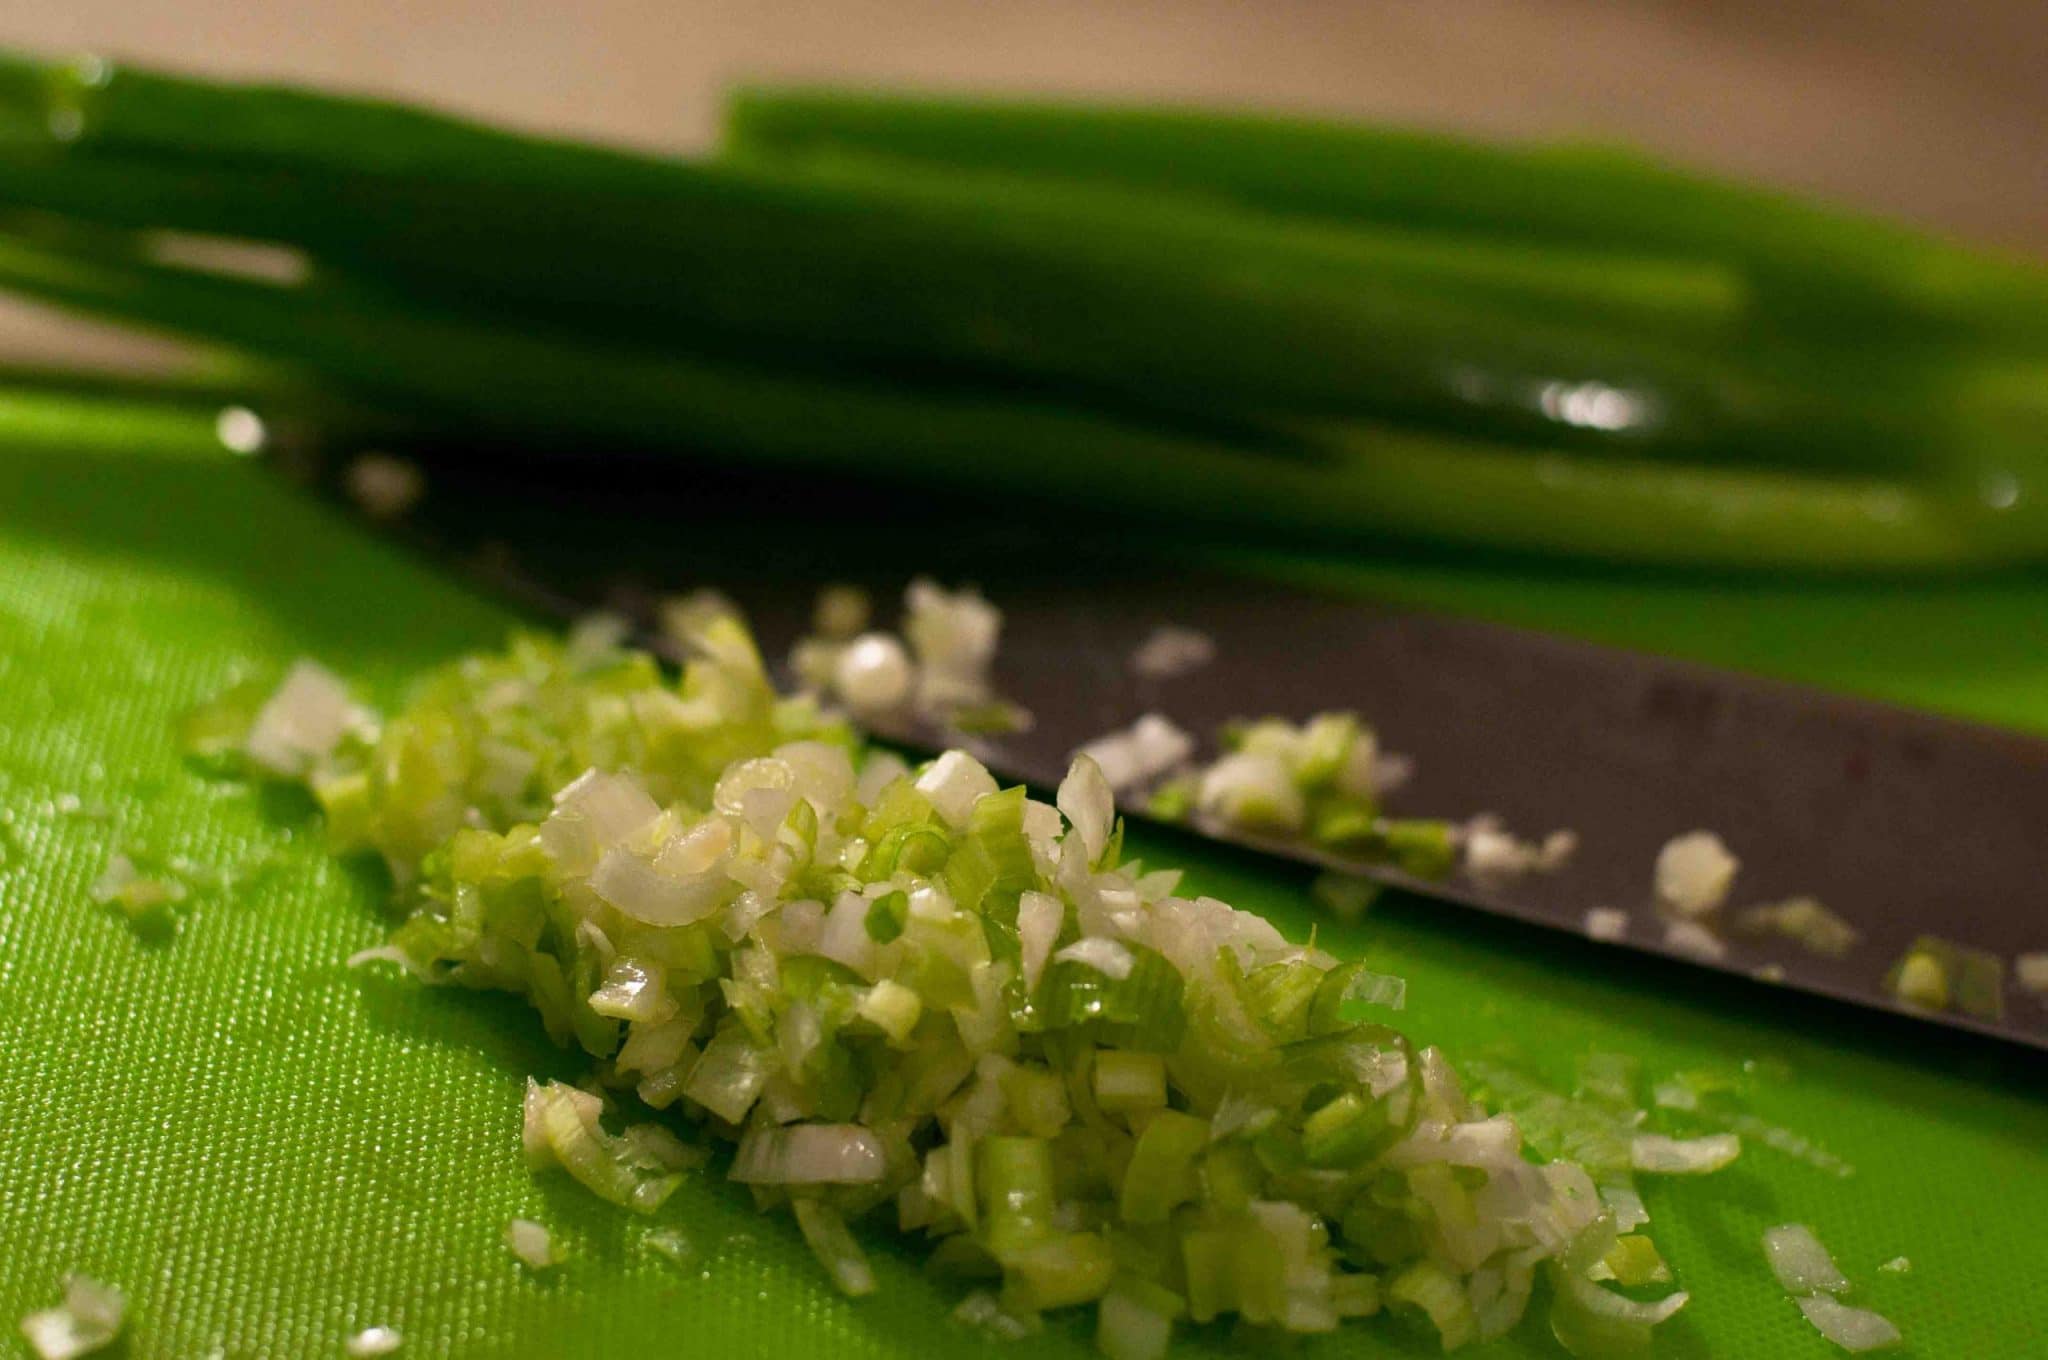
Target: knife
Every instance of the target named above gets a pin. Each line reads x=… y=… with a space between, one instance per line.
x=1904 y=824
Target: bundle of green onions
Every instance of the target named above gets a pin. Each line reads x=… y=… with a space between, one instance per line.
x=1259 y=325
x=903 y=993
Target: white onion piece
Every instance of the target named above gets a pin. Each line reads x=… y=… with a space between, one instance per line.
x=1694 y=872
x=1136 y=755
x=873 y=674
x=1625 y=1206
x=1252 y=790
x=1800 y=1262
x=1606 y=1303
x=1492 y=853
x=955 y=782
x=2030 y=971
x=953 y=634
x=1105 y=956
x=699 y=850
x=1086 y=802
x=529 y=1241
x=592 y=814
x=1606 y=923
x=1853 y=1329
x=373 y=1341
x=1690 y=937
x=843 y=937
x=728 y=1079
x=750 y=776
x=653 y=1047
x=614 y=806
x=302 y=722
x=1661 y=1156
x=1038 y=926
x=632 y=885
x=824 y=772
x=632 y=991
x=88 y=1320
x=1171 y=650
x=1495 y=1142
x=390 y=953
x=878 y=772
x=809 y=1154
x=1042 y=822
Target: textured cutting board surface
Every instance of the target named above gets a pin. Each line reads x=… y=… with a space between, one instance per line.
x=269 y=1152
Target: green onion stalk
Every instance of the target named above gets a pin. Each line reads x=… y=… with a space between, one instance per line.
x=1816 y=268
x=1346 y=483
x=855 y=261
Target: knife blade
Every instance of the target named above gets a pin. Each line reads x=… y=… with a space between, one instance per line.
x=1903 y=823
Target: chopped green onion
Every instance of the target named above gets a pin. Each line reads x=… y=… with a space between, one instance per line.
x=1634 y=1261
x=1345 y=896
x=1428 y=1287
x=672 y=1246
x=146 y=901
x=879 y=984
x=834 y=1247
x=635 y=1172
x=1803 y=919
x=1937 y=974
x=810 y=1154
x=1135 y=1321
x=1595 y=1323
x=1130 y=1081
x=1161 y=1174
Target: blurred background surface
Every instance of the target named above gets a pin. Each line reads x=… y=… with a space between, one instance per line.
x=1937 y=112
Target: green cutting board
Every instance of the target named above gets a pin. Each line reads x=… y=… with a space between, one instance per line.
x=269 y=1152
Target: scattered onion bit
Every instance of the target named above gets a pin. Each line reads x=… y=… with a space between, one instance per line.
x=2030 y=971
x=1695 y=939
x=1658 y=1155
x=1808 y=1273
x=1494 y=855
x=383 y=486
x=673 y=1246
x=374 y=1341
x=1853 y=1329
x=1803 y=919
x=146 y=901
x=530 y=1242
x=1936 y=974
x=1801 y=1263
x=88 y=1320
x=1693 y=875
x=1170 y=651
x=939 y=667
x=1606 y=923
x=1133 y=757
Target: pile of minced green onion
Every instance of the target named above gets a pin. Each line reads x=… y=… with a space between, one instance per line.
x=905 y=998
